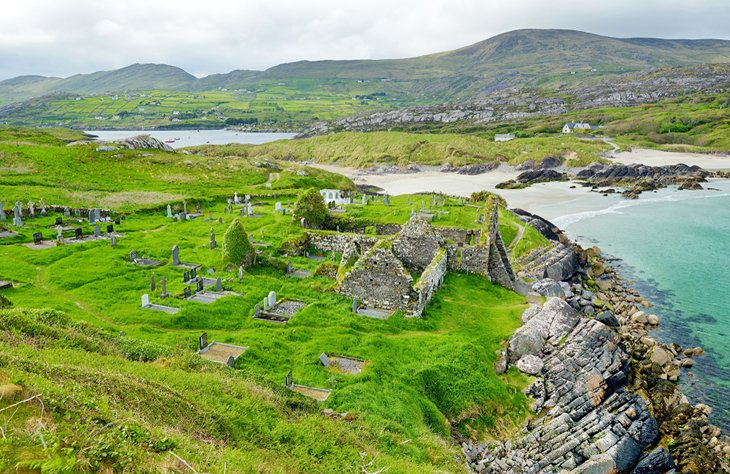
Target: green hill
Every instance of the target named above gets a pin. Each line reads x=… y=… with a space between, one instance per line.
x=530 y=56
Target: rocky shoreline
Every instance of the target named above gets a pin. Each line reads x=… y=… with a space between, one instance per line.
x=606 y=393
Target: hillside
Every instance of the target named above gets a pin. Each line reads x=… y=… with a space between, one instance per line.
x=522 y=57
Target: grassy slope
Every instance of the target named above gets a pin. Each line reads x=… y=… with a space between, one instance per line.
x=359 y=149
x=421 y=374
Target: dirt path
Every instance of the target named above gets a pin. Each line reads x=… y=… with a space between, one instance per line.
x=518 y=237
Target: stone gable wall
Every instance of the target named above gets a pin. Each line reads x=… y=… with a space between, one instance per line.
x=379 y=279
x=431 y=280
x=468 y=259
x=328 y=242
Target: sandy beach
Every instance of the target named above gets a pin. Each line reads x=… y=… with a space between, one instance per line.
x=550 y=200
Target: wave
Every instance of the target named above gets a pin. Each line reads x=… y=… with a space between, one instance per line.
x=569 y=219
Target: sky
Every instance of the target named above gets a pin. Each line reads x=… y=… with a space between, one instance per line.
x=65 y=37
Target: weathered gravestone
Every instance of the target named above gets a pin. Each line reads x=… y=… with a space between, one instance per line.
x=145 y=300
x=272 y=299
x=213 y=243
x=133 y=256
x=97 y=231
x=176 y=255
x=199 y=284
x=289 y=268
x=325 y=360
x=113 y=241
x=117 y=221
x=203 y=341
x=256 y=311
x=186 y=277
x=78 y=233
x=277 y=207
x=17 y=221
x=240 y=273
x=231 y=361
x=266 y=304
x=289 y=381
x=169 y=211
x=37 y=238
x=193 y=273
x=59 y=221
x=187 y=293
x=355 y=305
x=153 y=287
x=2 y=212
x=218 y=284
x=92 y=217
x=109 y=229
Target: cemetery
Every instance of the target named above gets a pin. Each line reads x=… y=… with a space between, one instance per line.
x=424 y=300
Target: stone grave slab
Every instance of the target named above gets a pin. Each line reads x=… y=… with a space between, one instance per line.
x=300 y=274
x=281 y=313
x=345 y=364
x=374 y=313
x=157 y=307
x=8 y=233
x=220 y=352
x=5 y=285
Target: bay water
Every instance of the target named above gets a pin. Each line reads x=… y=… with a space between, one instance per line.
x=183 y=138
x=675 y=245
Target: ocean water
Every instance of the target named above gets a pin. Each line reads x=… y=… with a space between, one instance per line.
x=183 y=138
x=675 y=245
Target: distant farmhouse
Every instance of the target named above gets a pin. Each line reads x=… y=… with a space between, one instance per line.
x=578 y=127
x=336 y=196
x=504 y=137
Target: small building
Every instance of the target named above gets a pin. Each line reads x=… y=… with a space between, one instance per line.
x=504 y=137
x=336 y=196
x=570 y=127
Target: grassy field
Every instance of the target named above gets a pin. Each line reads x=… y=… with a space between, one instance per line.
x=140 y=402
x=361 y=150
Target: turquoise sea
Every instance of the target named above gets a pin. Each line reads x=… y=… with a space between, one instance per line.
x=675 y=245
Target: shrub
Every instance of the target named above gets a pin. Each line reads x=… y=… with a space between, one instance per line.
x=311 y=206
x=236 y=247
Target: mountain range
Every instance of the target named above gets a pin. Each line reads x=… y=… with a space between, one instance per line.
x=528 y=57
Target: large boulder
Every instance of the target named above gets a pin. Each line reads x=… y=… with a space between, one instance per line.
x=551 y=323
x=530 y=364
x=548 y=288
x=609 y=319
x=657 y=461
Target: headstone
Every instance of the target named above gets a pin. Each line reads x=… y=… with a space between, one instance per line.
x=240 y=273
x=199 y=285
x=198 y=209
x=186 y=277
x=37 y=238
x=338 y=227
x=117 y=221
x=185 y=208
x=59 y=221
x=289 y=381
x=325 y=360
x=175 y=255
x=187 y=293
x=231 y=361
x=59 y=233
x=145 y=300
x=220 y=220
x=78 y=233
x=277 y=206
x=218 y=285
x=97 y=231
x=67 y=212
x=77 y=212
x=266 y=304
x=169 y=211
x=2 y=212
x=386 y=200
x=194 y=273
x=98 y=214
x=230 y=207
x=235 y=198
x=304 y=223
x=153 y=287
x=113 y=241
x=182 y=216
x=17 y=221
x=248 y=197
x=109 y=229
x=213 y=243
x=210 y=216
x=249 y=209
x=133 y=256
x=203 y=341
x=272 y=299
x=288 y=268
x=92 y=217
x=394 y=211
x=413 y=212
x=31 y=208
x=355 y=305
x=364 y=200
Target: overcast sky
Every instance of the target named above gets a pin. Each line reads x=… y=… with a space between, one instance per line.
x=64 y=37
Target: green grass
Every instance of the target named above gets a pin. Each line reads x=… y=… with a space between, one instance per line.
x=358 y=149
x=423 y=377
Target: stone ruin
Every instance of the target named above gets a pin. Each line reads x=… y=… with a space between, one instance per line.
x=379 y=273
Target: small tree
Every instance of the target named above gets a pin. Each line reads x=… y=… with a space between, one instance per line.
x=311 y=207
x=236 y=246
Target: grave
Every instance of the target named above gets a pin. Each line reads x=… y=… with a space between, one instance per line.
x=157 y=307
x=176 y=260
x=4 y=285
x=142 y=262
x=109 y=229
x=319 y=394
x=37 y=238
x=278 y=312
x=220 y=352
x=341 y=363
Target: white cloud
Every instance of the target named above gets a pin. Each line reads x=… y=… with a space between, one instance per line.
x=63 y=38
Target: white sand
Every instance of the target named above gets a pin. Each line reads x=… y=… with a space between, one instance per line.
x=662 y=158
x=549 y=200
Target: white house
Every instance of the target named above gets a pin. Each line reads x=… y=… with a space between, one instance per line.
x=504 y=137
x=580 y=126
x=336 y=196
